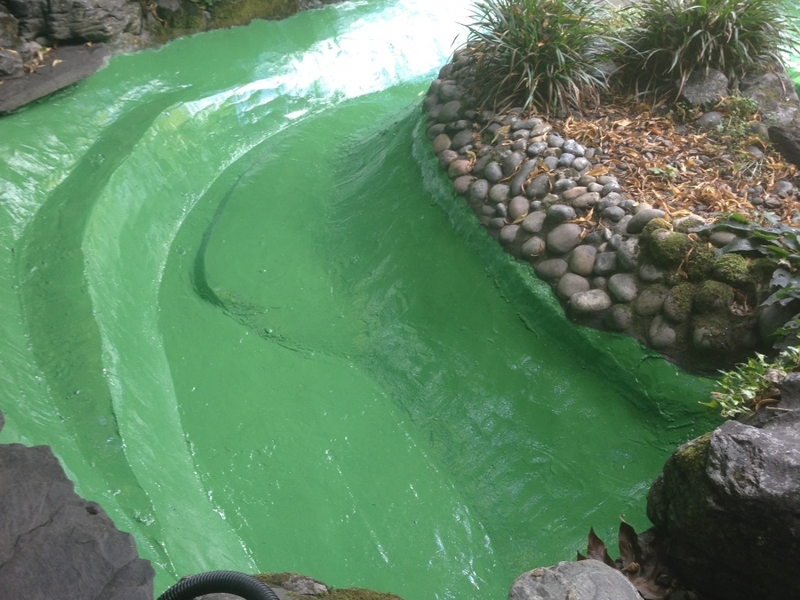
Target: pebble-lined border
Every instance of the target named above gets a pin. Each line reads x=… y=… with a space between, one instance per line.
x=614 y=263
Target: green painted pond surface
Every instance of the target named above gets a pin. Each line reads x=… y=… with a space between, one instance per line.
x=247 y=312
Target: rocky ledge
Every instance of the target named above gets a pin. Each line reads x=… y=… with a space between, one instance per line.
x=46 y=45
x=615 y=261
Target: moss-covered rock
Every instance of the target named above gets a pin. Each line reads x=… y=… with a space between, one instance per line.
x=668 y=248
x=712 y=296
x=731 y=268
x=654 y=225
x=700 y=263
x=678 y=303
x=301 y=587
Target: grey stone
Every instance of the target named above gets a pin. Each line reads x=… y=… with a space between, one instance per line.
x=661 y=334
x=650 y=301
x=92 y=20
x=551 y=269
x=642 y=218
x=518 y=207
x=709 y=120
x=449 y=91
x=776 y=97
x=571 y=284
x=705 y=88
x=581 y=164
x=605 y=263
x=573 y=147
x=721 y=238
x=591 y=301
x=582 y=259
x=564 y=238
x=499 y=192
x=600 y=283
x=555 y=141
x=783 y=188
x=441 y=142
x=611 y=186
x=736 y=489
x=512 y=162
x=628 y=253
x=558 y=213
x=446 y=157
x=533 y=222
x=478 y=191
x=458 y=168
x=541 y=129
x=10 y=63
x=562 y=185
x=461 y=139
x=461 y=184
x=566 y=159
x=586 y=200
x=509 y=234
x=650 y=273
x=622 y=287
x=493 y=172
x=497 y=223
x=450 y=111
x=521 y=177
x=620 y=317
x=533 y=247
x=583 y=580
x=435 y=130
x=787 y=140
x=677 y=309
x=536 y=148
x=551 y=162
x=501 y=210
x=56 y=544
x=539 y=187
x=613 y=213
x=573 y=193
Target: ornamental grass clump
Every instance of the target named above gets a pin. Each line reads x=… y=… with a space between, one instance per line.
x=665 y=41
x=540 y=54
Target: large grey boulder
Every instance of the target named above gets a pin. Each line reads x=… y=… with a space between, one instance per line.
x=92 y=20
x=703 y=89
x=54 y=544
x=584 y=580
x=729 y=504
x=787 y=140
x=775 y=95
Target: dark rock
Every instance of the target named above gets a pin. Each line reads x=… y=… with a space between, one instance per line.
x=533 y=222
x=518 y=207
x=564 y=238
x=650 y=301
x=558 y=213
x=582 y=259
x=533 y=247
x=661 y=335
x=571 y=284
x=450 y=111
x=31 y=16
x=478 y=191
x=493 y=172
x=461 y=139
x=521 y=177
x=709 y=120
x=77 y=62
x=10 y=63
x=539 y=187
x=9 y=30
x=459 y=168
x=642 y=218
x=775 y=95
x=461 y=184
x=499 y=193
x=92 y=20
x=787 y=140
x=551 y=269
x=729 y=503
x=605 y=263
x=705 y=88
x=620 y=317
x=54 y=543
x=583 y=580
x=441 y=142
x=512 y=162
x=536 y=149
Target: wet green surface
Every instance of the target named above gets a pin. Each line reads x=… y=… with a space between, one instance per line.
x=245 y=309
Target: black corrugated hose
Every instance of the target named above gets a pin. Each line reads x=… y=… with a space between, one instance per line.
x=219 y=582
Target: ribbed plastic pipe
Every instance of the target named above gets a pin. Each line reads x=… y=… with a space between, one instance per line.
x=219 y=582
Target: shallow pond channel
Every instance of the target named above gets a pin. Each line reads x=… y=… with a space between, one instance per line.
x=244 y=307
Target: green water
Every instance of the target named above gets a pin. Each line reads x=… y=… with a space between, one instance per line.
x=245 y=309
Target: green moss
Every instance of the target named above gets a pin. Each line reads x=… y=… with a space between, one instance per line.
x=358 y=594
x=700 y=263
x=688 y=224
x=654 y=225
x=678 y=304
x=731 y=268
x=240 y=12
x=712 y=296
x=669 y=250
x=693 y=455
x=280 y=579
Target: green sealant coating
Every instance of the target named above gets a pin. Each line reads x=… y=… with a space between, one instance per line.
x=245 y=308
